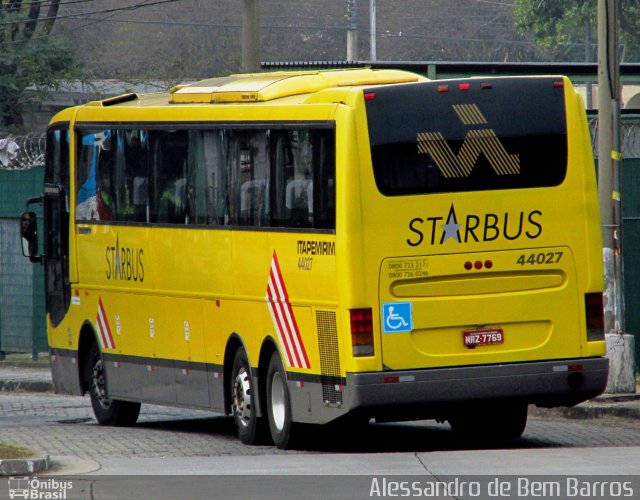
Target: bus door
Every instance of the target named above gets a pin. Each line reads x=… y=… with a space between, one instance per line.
x=56 y=224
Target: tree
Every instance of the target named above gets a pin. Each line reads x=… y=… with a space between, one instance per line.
x=30 y=55
x=564 y=24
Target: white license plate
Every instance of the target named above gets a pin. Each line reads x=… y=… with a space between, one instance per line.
x=489 y=336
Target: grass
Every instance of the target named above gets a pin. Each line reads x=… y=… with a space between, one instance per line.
x=11 y=451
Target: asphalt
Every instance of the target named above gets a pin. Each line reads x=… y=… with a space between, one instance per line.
x=19 y=373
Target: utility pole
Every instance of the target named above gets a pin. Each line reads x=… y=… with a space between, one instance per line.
x=620 y=346
x=352 y=31
x=250 y=36
x=372 y=30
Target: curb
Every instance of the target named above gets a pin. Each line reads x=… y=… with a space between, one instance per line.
x=606 y=405
x=23 y=467
x=25 y=386
x=601 y=410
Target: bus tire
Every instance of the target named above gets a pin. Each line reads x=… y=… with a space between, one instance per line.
x=243 y=401
x=279 y=403
x=107 y=411
x=491 y=422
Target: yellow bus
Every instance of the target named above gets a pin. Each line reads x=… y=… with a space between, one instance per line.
x=306 y=247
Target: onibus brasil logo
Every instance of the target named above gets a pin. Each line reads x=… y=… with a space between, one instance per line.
x=40 y=489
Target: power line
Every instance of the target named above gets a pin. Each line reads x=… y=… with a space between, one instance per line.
x=105 y=11
x=45 y=4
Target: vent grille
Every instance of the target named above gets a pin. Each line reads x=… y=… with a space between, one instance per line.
x=326 y=326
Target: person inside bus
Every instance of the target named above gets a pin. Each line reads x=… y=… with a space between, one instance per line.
x=105 y=198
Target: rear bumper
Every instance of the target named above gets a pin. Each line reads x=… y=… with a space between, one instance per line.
x=546 y=383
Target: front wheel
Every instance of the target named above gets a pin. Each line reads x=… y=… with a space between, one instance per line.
x=278 y=403
x=107 y=411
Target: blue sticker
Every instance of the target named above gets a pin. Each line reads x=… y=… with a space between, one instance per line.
x=397 y=317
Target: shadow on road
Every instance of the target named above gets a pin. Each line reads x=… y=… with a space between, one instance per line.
x=419 y=436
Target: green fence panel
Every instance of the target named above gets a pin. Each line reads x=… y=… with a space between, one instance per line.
x=631 y=247
x=22 y=307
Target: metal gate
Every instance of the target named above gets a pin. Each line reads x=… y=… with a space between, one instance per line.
x=22 y=310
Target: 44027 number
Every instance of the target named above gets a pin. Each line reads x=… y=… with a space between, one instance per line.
x=541 y=258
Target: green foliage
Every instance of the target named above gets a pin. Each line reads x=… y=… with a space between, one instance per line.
x=563 y=23
x=11 y=451
x=30 y=58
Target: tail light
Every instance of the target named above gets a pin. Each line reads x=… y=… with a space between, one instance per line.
x=595 y=316
x=362 y=332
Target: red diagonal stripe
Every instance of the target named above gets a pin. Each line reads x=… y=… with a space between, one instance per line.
x=284 y=310
x=284 y=318
x=103 y=324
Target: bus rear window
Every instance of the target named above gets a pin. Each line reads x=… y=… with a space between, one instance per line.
x=468 y=135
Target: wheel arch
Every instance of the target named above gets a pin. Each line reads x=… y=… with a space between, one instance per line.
x=235 y=342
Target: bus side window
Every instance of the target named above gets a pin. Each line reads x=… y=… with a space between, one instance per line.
x=248 y=179
x=169 y=155
x=324 y=168
x=95 y=199
x=131 y=175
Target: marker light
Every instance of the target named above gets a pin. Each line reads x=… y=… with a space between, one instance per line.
x=443 y=88
x=369 y=96
x=464 y=86
x=486 y=85
x=477 y=264
x=362 y=332
x=488 y=264
x=468 y=265
x=559 y=84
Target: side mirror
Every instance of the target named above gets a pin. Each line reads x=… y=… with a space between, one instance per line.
x=29 y=236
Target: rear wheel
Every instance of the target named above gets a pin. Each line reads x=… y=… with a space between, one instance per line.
x=278 y=403
x=491 y=422
x=243 y=401
x=107 y=411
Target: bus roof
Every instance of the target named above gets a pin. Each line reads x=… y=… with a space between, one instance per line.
x=262 y=87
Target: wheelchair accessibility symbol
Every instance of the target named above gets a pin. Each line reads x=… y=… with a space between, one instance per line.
x=397 y=317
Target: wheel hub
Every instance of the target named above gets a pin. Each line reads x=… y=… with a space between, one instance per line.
x=98 y=385
x=278 y=401
x=242 y=398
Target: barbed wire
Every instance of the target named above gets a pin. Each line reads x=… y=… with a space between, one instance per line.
x=629 y=137
x=27 y=151
x=22 y=152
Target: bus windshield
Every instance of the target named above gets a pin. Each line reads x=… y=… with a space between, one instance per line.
x=471 y=135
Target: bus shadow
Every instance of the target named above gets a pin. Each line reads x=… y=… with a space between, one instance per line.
x=419 y=436
x=218 y=425
x=423 y=436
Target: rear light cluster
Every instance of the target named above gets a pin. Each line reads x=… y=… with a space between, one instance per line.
x=362 y=332
x=478 y=264
x=463 y=86
x=593 y=306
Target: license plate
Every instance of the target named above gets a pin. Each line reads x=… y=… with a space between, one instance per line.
x=489 y=336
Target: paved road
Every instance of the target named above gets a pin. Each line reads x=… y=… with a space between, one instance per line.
x=64 y=426
x=176 y=453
